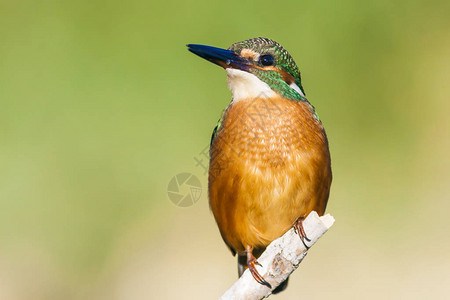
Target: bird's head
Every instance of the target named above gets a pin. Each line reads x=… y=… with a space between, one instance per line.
x=257 y=67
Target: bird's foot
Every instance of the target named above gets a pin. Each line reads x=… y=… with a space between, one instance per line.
x=298 y=226
x=252 y=263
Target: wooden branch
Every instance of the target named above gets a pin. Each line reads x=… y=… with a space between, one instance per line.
x=280 y=259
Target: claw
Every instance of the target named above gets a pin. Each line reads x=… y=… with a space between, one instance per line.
x=298 y=226
x=252 y=263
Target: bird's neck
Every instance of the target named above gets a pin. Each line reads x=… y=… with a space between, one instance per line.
x=244 y=85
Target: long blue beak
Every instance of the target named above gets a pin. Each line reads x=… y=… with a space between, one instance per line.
x=222 y=57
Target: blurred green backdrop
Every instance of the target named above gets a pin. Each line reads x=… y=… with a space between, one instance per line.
x=101 y=105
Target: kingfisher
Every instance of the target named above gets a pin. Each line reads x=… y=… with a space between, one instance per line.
x=270 y=163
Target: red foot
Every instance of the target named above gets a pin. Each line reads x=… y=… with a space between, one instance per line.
x=301 y=231
x=252 y=263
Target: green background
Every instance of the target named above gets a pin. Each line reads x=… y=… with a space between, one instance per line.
x=101 y=105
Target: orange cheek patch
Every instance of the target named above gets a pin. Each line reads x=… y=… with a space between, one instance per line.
x=288 y=78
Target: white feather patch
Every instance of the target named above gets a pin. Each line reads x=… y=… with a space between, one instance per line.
x=295 y=87
x=246 y=85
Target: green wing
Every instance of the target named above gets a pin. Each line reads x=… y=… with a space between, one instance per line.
x=214 y=133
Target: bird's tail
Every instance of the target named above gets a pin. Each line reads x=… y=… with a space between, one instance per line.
x=281 y=287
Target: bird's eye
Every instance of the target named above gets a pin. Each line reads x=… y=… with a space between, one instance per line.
x=266 y=60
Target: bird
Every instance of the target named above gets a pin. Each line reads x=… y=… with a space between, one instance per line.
x=270 y=162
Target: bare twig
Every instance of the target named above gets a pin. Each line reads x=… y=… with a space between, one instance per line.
x=280 y=259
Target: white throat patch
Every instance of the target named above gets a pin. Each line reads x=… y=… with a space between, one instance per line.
x=245 y=85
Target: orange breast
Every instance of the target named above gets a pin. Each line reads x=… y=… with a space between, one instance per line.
x=270 y=165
